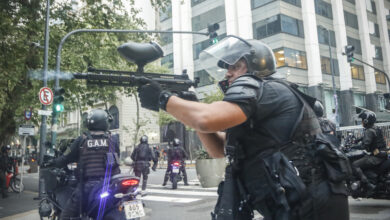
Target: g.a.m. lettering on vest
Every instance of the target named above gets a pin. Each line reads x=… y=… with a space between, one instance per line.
x=97 y=143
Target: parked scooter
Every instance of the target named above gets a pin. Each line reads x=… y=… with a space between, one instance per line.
x=120 y=198
x=176 y=175
x=12 y=176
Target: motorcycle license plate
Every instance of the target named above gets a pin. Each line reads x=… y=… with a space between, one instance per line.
x=175 y=170
x=134 y=209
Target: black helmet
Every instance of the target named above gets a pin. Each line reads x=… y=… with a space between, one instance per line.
x=176 y=142
x=318 y=108
x=97 y=120
x=259 y=58
x=144 y=139
x=368 y=118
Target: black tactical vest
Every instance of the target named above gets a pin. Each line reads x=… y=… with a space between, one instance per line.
x=250 y=139
x=93 y=156
x=378 y=142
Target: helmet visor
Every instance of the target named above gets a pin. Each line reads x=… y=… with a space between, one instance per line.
x=217 y=58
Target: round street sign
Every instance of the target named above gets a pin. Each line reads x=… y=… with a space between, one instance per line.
x=45 y=96
x=28 y=114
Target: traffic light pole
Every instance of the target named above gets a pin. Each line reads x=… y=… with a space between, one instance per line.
x=387 y=77
x=58 y=60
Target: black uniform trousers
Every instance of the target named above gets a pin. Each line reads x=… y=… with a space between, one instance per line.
x=72 y=207
x=142 y=168
x=3 y=183
x=364 y=163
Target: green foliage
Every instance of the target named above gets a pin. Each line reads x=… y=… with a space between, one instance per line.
x=202 y=154
x=23 y=22
x=213 y=97
x=165 y=118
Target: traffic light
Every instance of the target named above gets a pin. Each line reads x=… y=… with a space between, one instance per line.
x=349 y=52
x=212 y=30
x=58 y=99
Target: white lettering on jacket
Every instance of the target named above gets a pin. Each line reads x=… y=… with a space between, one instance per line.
x=97 y=143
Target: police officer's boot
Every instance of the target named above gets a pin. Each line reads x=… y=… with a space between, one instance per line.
x=185 y=180
x=166 y=177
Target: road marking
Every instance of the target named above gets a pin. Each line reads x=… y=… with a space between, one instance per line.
x=182 y=186
x=177 y=192
x=169 y=199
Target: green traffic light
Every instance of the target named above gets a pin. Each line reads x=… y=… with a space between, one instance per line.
x=59 y=108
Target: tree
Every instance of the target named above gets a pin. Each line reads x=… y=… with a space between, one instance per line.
x=22 y=23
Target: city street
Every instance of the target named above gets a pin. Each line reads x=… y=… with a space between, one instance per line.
x=163 y=203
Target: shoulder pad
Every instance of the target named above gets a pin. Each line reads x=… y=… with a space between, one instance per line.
x=245 y=81
x=243 y=88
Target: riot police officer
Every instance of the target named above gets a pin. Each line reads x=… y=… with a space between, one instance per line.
x=327 y=126
x=373 y=142
x=176 y=153
x=91 y=151
x=4 y=164
x=259 y=115
x=142 y=155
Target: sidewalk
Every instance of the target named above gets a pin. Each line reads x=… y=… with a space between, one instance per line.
x=26 y=206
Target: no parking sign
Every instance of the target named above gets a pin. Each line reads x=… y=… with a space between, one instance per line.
x=45 y=96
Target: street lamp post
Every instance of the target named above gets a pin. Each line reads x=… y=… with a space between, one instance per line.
x=333 y=78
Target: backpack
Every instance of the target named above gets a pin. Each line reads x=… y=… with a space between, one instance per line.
x=143 y=152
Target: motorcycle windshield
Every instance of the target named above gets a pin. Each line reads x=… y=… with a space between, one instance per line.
x=217 y=58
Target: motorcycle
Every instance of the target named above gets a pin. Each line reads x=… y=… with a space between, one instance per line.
x=175 y=175
x=378 y=176
x=120 y=197
x=13 y=177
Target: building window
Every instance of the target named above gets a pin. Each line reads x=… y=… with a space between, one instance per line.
x=166 y=38
x=195 y=2
x=294 y=2
x=323 y=9
x=325 y=66
x=167 y=60
x=277 y=24
x=166 y=13
x=204 y=78
x=378 y=53
x=212 y=16
x=323 y=37
x=290 y=57
x=198 y=47
x=373 y=28
x=351 y=1
x=355 y=43
x=115 y=117
x=357 y=72
x=380 y=78
x=351 y=20
x=371 y=6
x=360 y=100
x=381 y=103
x=329 y=101
x=258 y=3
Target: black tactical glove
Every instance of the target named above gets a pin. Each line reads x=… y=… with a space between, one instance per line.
x=188 y=95
x=149 y=95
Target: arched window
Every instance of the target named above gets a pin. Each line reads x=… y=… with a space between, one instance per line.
x=115 y=116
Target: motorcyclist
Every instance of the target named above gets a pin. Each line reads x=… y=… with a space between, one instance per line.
x=176 y=153
x=91 y=151
x=258 y=114
x=327 y=126
x=142 y=155
x=4 y=164
x=373 y=142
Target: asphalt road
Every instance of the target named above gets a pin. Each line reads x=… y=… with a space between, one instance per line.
x=162 y=203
